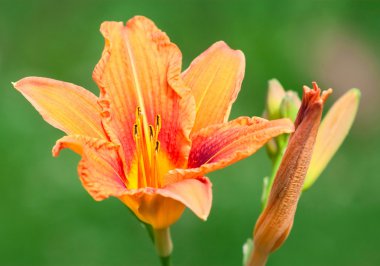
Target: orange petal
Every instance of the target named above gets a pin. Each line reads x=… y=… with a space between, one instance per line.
x=220 y=145
x=100 y=169
x=196 y=194
x=78 y=143
x=65 y=106
x=215 y=78
x=140 y=67
x=332 y=132
x=152 y=208
x=162 y=207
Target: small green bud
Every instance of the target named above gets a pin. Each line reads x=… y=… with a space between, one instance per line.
x=290 y=105
x=275 y=96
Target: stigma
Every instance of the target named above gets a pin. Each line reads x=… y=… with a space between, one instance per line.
x=147 y=149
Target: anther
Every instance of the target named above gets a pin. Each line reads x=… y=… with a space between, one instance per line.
x=138 y=113
x=157 y=148
x=151 y=132
x=158 y=123
x=135 y=130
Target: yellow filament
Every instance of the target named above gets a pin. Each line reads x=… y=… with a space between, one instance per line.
x=158 y=124
x=147 y=148
x=157 y=182
x=141 y=182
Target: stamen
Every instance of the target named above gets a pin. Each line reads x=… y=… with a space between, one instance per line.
x=156 y=180
x=151 y=132
x=158 y=124
x=141 y=182
x=142 y=155
x=147 y=148
x=157 y=148
x=138 y=112
x=135 y=131
x=153 y=158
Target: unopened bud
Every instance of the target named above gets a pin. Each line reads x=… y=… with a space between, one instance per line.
x=290 y=105
x=276 y=220
x=275 y=96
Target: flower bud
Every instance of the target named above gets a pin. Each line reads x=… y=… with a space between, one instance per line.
x=290 y=105
x=275 y=222
x=275 y=96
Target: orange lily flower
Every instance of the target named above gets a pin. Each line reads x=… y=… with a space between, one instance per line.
x=153 y=133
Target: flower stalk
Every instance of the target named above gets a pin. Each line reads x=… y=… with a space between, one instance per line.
x=163 y=244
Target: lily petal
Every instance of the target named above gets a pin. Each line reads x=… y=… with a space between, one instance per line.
x=78 y=143
x=152 y=208
x=162 y=207
x=100 y=169
x=65 y=106
x=215 y=78
x=332 y=132
x=140 y=67
x=220 y=145
x=196 y=194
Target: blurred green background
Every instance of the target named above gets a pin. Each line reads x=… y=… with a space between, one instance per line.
x=47 y=218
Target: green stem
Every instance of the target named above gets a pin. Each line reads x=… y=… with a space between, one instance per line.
x=166 y=261
x=149 y=229
x=163 y=244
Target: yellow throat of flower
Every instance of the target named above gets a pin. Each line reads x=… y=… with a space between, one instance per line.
x=147 y=149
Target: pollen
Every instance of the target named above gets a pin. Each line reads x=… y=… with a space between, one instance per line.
x=147 y=150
